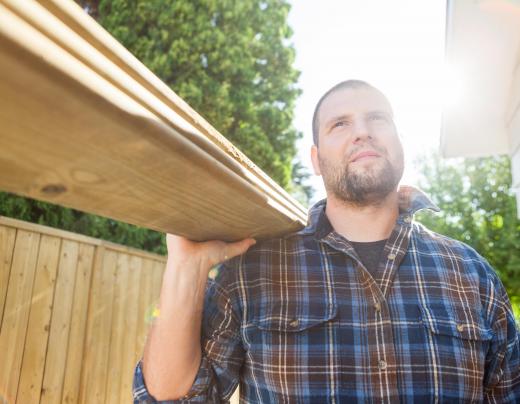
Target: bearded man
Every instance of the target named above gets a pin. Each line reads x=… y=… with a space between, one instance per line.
x=364 y=305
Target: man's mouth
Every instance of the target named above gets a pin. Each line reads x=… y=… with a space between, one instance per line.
x=364 y=155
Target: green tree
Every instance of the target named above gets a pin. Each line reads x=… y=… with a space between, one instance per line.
x=230 y=60
x=478 y=208
x=47 y=214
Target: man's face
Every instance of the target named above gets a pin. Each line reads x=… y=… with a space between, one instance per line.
x=360 y=155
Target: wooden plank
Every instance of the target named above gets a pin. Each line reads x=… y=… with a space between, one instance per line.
x=16 y=314
x=125 y=64
x=118 y=332
x=7 y=237
x=60 y=324
x=131 y=320
x=74 y=17
x=95 y=365
x=31 y=377
x=78 y=324
x=137 y=140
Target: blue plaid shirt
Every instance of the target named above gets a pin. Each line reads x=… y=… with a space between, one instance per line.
x=299 y=319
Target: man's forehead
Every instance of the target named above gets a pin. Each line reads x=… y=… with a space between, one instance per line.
x=348 y=101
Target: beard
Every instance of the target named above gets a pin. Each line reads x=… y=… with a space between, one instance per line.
x=363 y=186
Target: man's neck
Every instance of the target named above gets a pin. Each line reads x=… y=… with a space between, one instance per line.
x=363 y=223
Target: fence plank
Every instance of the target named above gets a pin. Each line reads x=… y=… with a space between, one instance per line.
x=130 y=325
x=145 y=306
x=99 y=325
x=33 y=364
x=16 y=312
x=78 y=324
x=60 y=324
x=119 y=332
x=7 y=237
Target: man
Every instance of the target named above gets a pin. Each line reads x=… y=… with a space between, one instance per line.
x=363 y=305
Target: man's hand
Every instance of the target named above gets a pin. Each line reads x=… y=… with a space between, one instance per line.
x=205 y=254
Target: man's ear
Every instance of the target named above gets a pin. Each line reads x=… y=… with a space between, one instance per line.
x=315 y=160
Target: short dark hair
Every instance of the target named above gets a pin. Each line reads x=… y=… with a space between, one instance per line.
x=339 y=86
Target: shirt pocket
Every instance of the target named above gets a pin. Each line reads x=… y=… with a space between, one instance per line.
x=456 y=341
x=287 y=326
x=463 y=322
x=285 y=340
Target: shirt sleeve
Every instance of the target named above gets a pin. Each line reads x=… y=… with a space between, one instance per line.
x=222 y=353
x=502 y=379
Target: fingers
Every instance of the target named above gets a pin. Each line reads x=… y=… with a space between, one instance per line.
x=237 y=248
x=210 y=252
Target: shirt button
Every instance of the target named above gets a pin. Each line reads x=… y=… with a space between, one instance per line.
x=377 y=306
x=382 y=365
x=391 y=256
x=407 y=219
x=294 y=323
x=460 y=327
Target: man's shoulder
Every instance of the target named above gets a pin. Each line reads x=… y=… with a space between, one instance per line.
x=449 y=249
x=460 y=262
x=285 y=244
x=438 y=240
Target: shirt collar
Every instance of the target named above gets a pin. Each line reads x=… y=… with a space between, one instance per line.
x=411 y=200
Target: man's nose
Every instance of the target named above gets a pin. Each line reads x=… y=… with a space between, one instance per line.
x=361 y=130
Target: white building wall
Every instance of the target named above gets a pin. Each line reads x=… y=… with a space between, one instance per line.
x=513 y=128
x=515 y=160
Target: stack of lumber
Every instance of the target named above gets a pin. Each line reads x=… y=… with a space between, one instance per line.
x=85 y=125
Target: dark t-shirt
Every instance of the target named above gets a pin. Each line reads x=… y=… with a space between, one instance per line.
x=369 y=253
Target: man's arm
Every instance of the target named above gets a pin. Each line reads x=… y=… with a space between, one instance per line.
x=172 y=354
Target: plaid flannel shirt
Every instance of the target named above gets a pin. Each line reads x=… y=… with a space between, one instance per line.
x=298 y=319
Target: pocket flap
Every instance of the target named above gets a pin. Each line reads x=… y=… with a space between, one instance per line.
x=462 y=322
x=279 y=318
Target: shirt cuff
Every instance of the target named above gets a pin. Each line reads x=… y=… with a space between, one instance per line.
x=197 y=393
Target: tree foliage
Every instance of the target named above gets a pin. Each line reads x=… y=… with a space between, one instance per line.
x=230 y=60
x=478 y=208
x=47 y=214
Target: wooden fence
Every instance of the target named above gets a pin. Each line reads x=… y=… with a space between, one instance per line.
x=73 y=315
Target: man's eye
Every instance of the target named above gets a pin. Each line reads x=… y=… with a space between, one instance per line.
x=339 y=124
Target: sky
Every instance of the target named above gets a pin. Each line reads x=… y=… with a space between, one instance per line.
x=398 y=46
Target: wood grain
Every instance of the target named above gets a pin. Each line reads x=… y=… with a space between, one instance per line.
x=54 y=372
x=74 y=362
x=7 y=237
x=76 y=315
x=131 y=324
x=99 y=325
x=16 y=312
x=35 y=351
x=141 y=162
